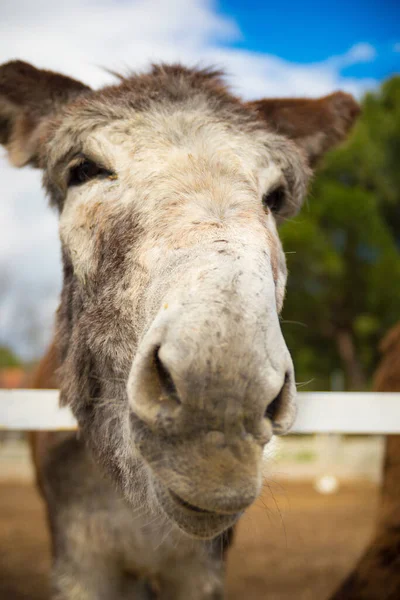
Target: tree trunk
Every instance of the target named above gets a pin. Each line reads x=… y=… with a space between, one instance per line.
x=347 y=352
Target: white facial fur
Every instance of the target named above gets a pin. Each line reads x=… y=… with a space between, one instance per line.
x=185 y=176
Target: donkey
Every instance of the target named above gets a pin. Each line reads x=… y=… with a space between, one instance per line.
x=377 y=574
x=168 y=346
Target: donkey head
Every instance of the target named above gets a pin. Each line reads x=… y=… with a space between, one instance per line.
x=169 y=191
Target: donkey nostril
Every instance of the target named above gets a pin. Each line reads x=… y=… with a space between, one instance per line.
x=168 y=388
x=273 y=409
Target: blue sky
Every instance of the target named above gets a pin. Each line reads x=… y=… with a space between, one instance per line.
x=309 y=31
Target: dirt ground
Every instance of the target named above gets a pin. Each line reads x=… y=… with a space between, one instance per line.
x=293 y=544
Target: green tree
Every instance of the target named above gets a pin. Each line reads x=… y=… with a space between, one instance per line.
x=8 y=358
x=344 y=251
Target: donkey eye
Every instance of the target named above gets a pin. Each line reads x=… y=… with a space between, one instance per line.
x=85 y=171
x=274 y=200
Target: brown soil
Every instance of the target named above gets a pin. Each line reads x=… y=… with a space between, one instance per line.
x=293 y=544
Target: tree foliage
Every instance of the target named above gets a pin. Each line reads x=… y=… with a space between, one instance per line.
x=8 y=358
x=343 y=251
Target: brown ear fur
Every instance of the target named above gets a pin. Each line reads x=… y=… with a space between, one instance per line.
x=27 y=97
x=315 y=125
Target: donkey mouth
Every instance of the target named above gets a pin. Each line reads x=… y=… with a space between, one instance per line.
x=190 y=507
x=201 y=513
x=193 y=520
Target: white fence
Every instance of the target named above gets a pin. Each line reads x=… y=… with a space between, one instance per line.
x=318 y=412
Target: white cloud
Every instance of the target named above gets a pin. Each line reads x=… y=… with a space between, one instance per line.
x=361 y=52
x=81 y=36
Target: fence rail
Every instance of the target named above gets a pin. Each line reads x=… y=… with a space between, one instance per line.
x=318 y=412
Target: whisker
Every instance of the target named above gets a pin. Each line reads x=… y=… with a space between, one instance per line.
x=106 y=380
x=303 y=383
x=293 y=322
x=280 y=514
x=165 y=536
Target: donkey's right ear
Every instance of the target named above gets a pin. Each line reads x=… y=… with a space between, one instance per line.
x=28 y=98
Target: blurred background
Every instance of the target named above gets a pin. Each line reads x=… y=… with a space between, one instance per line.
x=343 y=250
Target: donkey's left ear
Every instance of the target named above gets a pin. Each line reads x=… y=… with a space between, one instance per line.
x=314 y=124
x=28 y=98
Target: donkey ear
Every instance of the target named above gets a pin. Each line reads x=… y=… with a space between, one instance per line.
x=314 y=124
x=28 y=97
